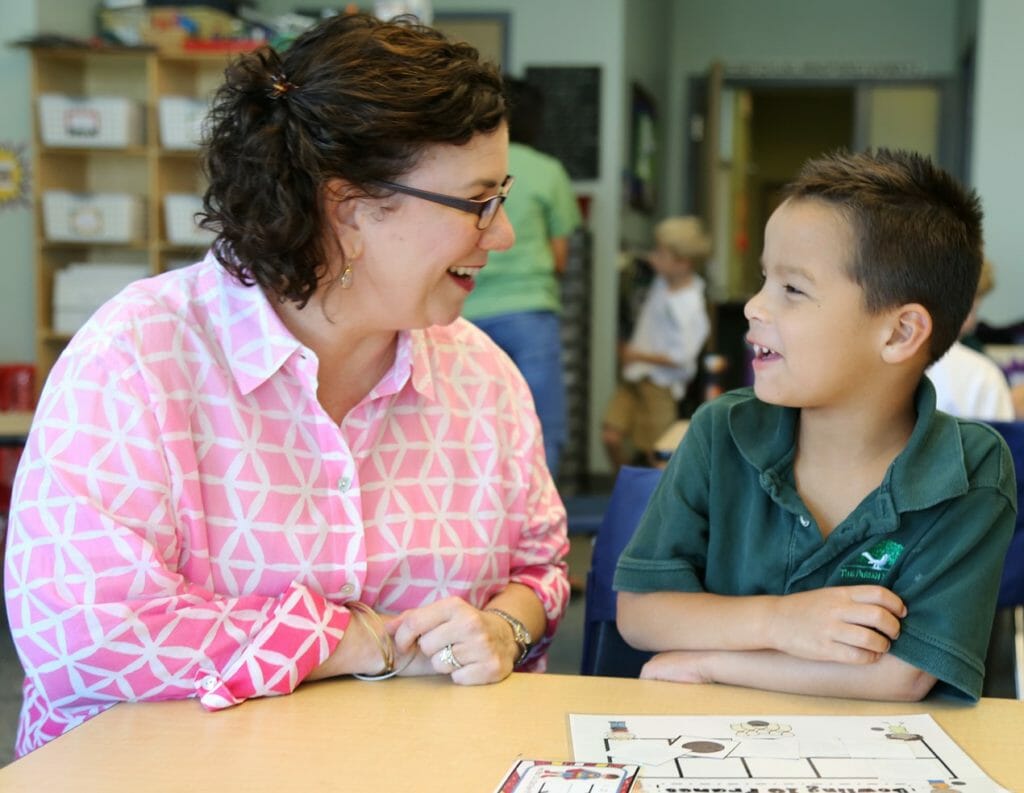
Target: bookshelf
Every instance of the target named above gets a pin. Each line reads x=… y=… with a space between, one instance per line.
x=142 y=164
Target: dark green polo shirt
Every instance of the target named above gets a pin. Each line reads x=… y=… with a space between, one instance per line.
x=726 y=518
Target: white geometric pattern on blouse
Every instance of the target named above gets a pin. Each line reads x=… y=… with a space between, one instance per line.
x=187 y=519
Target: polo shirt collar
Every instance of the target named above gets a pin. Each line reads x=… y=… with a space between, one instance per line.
x=929 y=470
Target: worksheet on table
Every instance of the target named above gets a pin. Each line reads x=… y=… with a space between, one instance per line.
x=800 y=754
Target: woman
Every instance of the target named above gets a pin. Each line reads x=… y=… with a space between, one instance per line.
x=292 y=460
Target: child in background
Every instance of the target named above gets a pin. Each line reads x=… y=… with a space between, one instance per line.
x=829 y=532
x=660 y=359
x=967 y=382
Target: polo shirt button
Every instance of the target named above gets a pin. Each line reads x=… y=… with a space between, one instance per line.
x=804 y=521
x=348 y=589
x=344 y=483
x=209 y=682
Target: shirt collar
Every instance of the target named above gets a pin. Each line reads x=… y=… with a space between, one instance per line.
x=422 y=362
x=764 y=435
x=412 y=364
x=257 y=343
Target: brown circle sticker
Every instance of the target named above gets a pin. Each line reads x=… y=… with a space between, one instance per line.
x=703 y=747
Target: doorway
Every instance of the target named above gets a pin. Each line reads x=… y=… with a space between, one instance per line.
x=750 y=137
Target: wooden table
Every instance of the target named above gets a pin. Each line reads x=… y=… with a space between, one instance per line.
x=424 y=735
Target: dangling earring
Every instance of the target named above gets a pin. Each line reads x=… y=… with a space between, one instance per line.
x=346 y=277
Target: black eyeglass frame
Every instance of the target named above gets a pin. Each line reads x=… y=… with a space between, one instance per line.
x=485 y=209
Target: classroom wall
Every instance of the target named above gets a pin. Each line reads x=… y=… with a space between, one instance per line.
x=647 y=45
x=23 y=18
x=997 y=156
x=17 y=306
x=809 y=35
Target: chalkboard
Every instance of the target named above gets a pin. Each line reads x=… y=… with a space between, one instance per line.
x=572 y=116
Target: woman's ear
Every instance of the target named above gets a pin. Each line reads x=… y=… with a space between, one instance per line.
x=341 y=207
x=909 y=333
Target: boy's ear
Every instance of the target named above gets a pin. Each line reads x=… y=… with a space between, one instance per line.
x=341 y=212
x=909 y=333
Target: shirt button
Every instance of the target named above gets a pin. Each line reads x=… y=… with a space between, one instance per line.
x=804 y=522
x=348 y=589
x=209 y=682
x=344 y=483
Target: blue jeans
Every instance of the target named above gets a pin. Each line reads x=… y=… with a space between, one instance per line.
x=533 y=340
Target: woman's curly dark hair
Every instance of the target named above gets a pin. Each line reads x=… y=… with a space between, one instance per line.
x=353 y=97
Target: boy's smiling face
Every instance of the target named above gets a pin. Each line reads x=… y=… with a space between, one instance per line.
x=815 y=344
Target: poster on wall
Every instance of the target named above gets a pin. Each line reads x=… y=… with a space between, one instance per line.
x=13 y=176
x=643 y=160
x=572 y=119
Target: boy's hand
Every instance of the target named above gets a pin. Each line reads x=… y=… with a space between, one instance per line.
x=678 y=666
x=844 y=624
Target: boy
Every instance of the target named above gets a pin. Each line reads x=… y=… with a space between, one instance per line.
x=661 y=357
x=829 y=532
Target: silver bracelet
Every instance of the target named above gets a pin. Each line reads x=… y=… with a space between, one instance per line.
x=386 y=675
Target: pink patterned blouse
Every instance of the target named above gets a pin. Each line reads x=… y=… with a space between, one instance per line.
x=188 y=521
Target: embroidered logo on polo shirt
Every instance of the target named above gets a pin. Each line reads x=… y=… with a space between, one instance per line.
x=874 y=563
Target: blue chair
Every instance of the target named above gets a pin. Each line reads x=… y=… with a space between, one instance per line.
x=605 y=652
x=1008 y=630
x=584 y=512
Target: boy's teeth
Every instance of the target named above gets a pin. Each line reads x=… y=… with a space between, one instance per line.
x=464 y=271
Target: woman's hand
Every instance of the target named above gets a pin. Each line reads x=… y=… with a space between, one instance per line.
x=482 y=647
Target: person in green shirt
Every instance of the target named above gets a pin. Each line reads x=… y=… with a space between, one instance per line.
x=515 y=299
x=829 y=532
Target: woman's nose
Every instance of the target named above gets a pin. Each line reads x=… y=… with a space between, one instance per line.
x=500 y=235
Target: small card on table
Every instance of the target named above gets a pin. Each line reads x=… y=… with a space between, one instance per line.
x=553 y=776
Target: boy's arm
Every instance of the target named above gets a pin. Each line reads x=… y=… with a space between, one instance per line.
x=888 y=678
x=845 y=625
x=631 y=354
x=826 y=642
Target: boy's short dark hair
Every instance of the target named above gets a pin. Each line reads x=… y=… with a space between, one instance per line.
x=917 y=232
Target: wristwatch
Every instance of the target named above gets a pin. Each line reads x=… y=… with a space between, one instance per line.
x=522 y=636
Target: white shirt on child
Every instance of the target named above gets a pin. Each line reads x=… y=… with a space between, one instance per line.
x=673 y=323
x=971 y=385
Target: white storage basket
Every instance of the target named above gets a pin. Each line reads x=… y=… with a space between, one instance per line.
x=106 y=122
x=93 y=217
x=79 y=289
x=179 y=219
x=181 y=122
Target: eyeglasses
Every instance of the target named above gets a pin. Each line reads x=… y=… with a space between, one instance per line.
x=485 y=209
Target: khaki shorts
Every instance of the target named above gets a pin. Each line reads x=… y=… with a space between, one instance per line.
x=642 y=412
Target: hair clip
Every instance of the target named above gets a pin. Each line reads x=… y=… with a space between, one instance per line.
x=279 y=86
